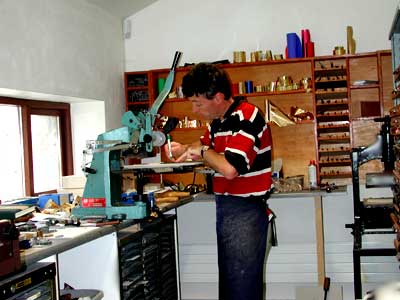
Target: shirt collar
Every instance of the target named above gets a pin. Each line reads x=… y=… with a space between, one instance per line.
x=236 y=102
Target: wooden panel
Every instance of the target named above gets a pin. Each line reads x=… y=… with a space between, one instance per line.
x=363 y=68
x=387 y=82
x=163 y=73
x=180 y=109
x=296 y=146
x=360 y=98
x=185 y=179
x=187 y=136
x=285 y=102
x=364 y=134
x=262 y=74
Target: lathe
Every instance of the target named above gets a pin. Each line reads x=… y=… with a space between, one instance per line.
x=137 y=137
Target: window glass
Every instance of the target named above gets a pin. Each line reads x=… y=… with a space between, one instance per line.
x=11 y=153
x=46 y=152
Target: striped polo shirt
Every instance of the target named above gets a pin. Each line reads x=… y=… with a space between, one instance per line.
x=245 y=140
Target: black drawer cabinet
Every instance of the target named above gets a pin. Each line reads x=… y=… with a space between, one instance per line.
x=147 y=260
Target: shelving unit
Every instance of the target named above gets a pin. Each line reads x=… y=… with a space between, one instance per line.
x=333 y=119
x=339 y=106
x=394 y=37
x=138 y=90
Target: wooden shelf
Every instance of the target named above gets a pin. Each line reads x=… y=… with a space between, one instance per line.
x=334 y=140
x=335 y=163
x=327 y=118
x=289 y=92
x=395 y=95
x=395 y=111
x=368 y=86
x=136 y=88
x=334 y=128
x=335 y=152
x=336 y=175
x=330 y=94
x=176 y=100
x=145 y=102
x=202 y=128
x=335 y=80
x=330 y=72
x=332 y=89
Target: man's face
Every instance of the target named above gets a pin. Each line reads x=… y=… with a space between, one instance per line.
x=206 y=108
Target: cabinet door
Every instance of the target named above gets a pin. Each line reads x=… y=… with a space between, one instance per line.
x=364 y=81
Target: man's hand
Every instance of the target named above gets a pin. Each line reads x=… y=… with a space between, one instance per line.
x=176 y=152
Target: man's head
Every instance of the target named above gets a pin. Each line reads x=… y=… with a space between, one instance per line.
x=209 y=90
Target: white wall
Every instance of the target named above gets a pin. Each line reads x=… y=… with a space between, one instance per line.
x=64 y=48
x=211 y=30
x=86 y=127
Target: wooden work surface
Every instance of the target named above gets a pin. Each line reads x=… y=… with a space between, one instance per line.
x=66 y=238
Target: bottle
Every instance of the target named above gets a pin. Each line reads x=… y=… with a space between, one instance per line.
x=312 y=175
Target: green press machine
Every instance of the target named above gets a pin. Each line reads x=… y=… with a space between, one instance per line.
x=102 y=193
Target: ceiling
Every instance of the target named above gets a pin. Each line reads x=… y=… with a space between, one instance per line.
x=122 y=8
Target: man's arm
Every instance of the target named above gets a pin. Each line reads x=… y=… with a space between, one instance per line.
x=215 y=160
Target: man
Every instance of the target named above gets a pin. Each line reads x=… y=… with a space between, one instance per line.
x=237 y=145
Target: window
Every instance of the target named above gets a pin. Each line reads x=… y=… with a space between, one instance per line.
x=36 y=147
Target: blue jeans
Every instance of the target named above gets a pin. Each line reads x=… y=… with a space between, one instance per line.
x=242 y=225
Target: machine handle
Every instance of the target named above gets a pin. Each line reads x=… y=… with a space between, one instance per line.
x=89 y=170
x=175 y=62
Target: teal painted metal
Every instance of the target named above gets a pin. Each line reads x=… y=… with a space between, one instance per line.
x=104 y=179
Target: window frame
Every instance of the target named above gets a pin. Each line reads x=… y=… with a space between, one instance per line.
x=39 y=107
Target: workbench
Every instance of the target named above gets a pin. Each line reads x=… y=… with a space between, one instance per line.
x=317 y=196
x=80 y=252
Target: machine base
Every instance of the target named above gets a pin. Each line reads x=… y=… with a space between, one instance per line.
x=137 y=211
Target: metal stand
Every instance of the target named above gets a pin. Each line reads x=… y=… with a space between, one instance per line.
x=381 y=149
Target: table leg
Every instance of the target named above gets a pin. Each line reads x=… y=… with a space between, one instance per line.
x=319 y=229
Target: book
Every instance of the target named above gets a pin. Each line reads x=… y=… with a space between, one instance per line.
x=12 y=212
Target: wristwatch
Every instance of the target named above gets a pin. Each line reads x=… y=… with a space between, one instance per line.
x=203 y=149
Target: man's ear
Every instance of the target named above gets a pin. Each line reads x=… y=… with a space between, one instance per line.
x=219 y=97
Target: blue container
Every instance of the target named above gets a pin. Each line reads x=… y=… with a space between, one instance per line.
x=59 y=199
x=249 y=86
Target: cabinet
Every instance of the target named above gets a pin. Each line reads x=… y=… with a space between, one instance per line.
x=345 y=94
x=138 y=90
x=38 y=281
x=147 y=260
x=333 y=118
x=395 y=124
x=350 y=91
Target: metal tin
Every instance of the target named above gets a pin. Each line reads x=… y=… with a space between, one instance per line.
x=242 y=87
x=239 y=56
x=249 y=86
